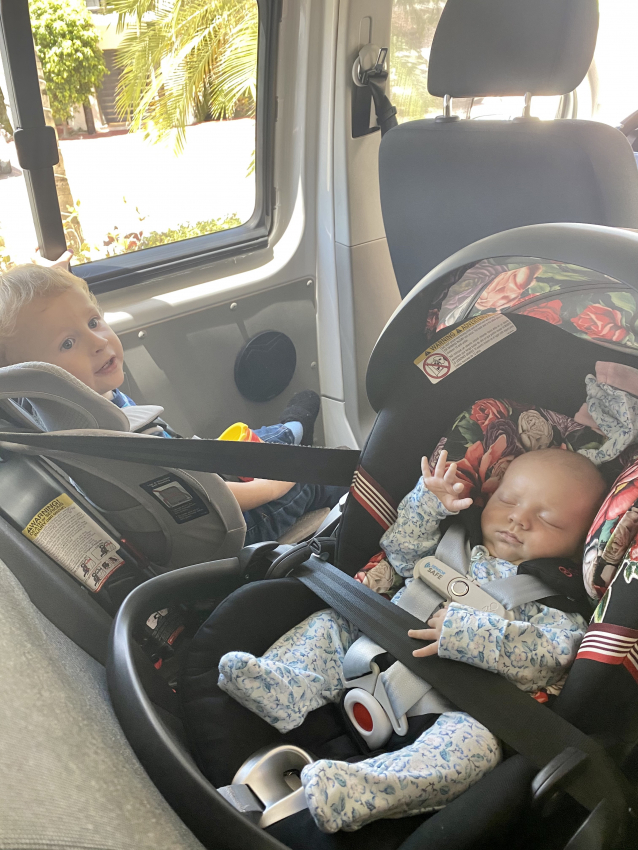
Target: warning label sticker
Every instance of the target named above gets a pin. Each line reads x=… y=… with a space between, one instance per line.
x=75 y=541
x=182 y=503
x=463 y=344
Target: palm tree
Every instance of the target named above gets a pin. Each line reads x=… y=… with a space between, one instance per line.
x=185 y=59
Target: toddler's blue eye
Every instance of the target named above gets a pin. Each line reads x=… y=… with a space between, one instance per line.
x=93 y=324
x=67 y=344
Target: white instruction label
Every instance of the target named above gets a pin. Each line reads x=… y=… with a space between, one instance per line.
x=462 y=344
x=75 y=541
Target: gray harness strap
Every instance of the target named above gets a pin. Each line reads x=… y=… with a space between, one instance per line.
x=517 y=590
x=454 y=548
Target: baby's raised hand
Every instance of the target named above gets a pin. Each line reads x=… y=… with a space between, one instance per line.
x=445 y=484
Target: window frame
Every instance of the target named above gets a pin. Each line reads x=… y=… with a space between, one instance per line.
x=113 y=273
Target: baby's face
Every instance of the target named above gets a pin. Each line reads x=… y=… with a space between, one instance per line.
x=537 y=512
x=68 y=331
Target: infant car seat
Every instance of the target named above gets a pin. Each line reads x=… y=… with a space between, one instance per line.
x=569 y=294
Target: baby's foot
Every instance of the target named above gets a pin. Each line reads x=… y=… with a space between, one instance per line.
x=278 y=693
x=442 y=763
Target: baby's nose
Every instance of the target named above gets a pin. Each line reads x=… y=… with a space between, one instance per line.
x=520 y=517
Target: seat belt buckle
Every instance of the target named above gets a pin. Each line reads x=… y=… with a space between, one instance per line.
x=366 y=682
x=453 y=586
x=369 y=709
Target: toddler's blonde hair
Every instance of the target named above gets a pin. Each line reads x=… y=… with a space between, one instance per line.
x=23 y=284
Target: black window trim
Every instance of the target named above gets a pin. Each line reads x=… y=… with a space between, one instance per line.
x=16 y=50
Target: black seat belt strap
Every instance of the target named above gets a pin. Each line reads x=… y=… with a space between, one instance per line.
x=305 y=464
x=530 y=728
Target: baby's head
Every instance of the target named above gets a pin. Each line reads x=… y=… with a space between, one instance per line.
x=48 y=314
x=543 y=507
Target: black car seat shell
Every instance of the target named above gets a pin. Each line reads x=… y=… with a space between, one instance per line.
x=446 y=183
x=539 y=363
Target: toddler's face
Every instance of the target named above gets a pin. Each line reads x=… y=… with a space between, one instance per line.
x=68 y=331
x=537 y=512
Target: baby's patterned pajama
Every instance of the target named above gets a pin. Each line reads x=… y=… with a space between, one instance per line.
x=303 y=670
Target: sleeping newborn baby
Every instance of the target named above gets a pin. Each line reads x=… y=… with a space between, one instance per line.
x=542 y=508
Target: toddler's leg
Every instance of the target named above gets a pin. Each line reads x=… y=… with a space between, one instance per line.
x=443 y=762
x=300 y=672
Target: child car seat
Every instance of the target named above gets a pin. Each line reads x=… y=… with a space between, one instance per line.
x=166 y=518
x=569 y=292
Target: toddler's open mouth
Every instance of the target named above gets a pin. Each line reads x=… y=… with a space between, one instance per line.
x=109 y=366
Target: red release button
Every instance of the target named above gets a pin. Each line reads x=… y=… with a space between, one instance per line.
x=363 y=717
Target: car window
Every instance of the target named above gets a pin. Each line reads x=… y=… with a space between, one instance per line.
x=18 y=240
x=155 y=107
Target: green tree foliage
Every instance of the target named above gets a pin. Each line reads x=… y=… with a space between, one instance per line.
x=67 y=44
x=185 y=59
x=413 y=25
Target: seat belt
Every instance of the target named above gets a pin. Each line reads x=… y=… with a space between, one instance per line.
x=370 y=69
x=510 y=714
x=305 y=464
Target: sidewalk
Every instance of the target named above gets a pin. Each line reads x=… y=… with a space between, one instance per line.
x=207 y=181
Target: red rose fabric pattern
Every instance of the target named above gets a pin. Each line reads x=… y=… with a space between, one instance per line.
x=578 y=300
x=601 y=323
x=613 y=539
x=548 y=312
x=487 y=437
x=506 y=289
x=488 y=410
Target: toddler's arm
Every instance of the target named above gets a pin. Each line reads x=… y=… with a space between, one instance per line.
x=254 y=494
x=533 y=652
x=415 y=533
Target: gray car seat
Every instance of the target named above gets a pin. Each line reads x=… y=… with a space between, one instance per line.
x=447 y=182
x=171 y=517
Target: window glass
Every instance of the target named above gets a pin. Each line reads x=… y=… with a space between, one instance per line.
x=18 y=240
x=609 y=93
x=155 y=114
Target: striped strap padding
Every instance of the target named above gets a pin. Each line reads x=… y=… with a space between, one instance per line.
x=371 y=495
x=610 y=644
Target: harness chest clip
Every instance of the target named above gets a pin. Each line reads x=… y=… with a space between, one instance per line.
x=453 y=586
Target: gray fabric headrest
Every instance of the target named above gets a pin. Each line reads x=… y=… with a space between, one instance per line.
x=60 y=401
x=510 y=47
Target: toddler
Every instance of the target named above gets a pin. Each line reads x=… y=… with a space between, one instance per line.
x=49 y=315
x=542 y=509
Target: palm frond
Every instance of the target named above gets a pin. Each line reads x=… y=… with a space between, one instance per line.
x=181 y=58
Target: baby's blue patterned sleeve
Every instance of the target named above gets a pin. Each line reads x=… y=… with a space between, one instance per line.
x=532 y=654
x=415 y=533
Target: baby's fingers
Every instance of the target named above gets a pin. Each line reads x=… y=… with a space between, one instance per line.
x=451 y=477
x=431 y=649
x=462 y=504
x=439 y=469
x=423 y=634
